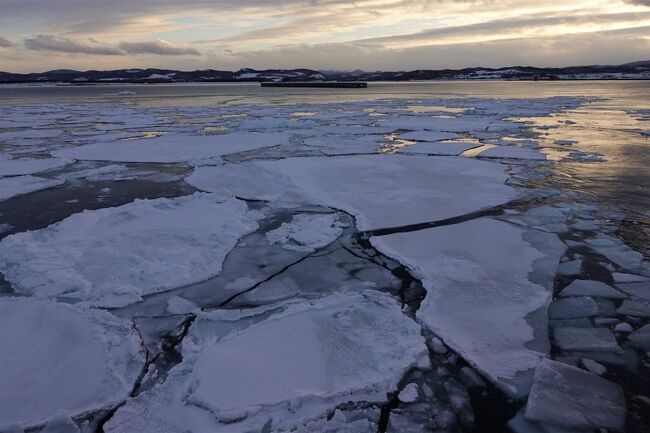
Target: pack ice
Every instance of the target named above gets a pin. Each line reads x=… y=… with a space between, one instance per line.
x=58 y=357
x=277 y=368
x=480 y=299
x=173 y=148
x=113 y=256
x=379 y=190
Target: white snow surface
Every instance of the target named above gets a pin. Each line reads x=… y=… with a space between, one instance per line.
x=19 y=185
x=379 y=190
x=58 y=357
x=114 y=256
x=22 y=166
x=307 y=232
x=284 y=365
x=174 y=147
x=479 y=296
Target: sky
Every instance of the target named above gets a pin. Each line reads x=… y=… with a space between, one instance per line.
x=40 y=35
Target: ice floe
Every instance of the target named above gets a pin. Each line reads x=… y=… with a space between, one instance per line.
x=173 y=148
x=572 y=398
x=480 y=299
x=114 y=256
x=281 y=367
x=591 y=288
x=380 y=190
x=307 y=232
x=23 y=166
x=20 y=185
x=59 y=357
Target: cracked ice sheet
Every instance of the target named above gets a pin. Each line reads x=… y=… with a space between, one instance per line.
x=380 y=190
x=20 y=185
x=60 y=357
x=479 y=297
x=173 y=148
x=285 y=365
x=112 y=257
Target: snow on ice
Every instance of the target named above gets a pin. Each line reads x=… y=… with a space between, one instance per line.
x=280 y=367
x=114 y=256
x=480 y=299
x=58 y=357
x=379 y=190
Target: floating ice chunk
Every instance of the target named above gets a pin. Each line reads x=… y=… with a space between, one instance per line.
x=629 y=278
x=573 y=398
x=635 y=308
x=623 y=328
x=9 y=136
x=573 y=308
x=113 y=256
x=641 y=338
x=20 y=185
x=178 y=305
x=512 y=152
x=307 y=232
x=409 y=394
x=335 y=145
x=281 y=366
x=593 y=367
x=59 y=357
x=60 y=423
x=173 y=148
x=482 y=304
x=574 y=267
x=126 y=93
x=444 y=149
x=639 y=290
x=617 y=252
x=591 y=288
x=380 y=190
x=427 y=136
x=22 y=166
x=596 y=339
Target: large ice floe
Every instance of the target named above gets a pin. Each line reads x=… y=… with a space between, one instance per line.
x=480 y=298
x=19 y=185
x=58 y=357
x=173 y=147
x=278 y=368
x=22 y=166
x=114 y=256
x=379 y=190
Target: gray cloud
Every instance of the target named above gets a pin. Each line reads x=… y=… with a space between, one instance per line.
x=5 y=43
x=65 y=45
x=158 y=47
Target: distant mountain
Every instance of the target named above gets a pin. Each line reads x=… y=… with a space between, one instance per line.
x=629 y=71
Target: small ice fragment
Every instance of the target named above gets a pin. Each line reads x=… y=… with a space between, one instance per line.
x=178 y=305
x=574 y=267
x=593 y=366
x=596 y=339
x=471 y=378
x=573 y=398
x=573 y=308
x=409 y=394
x=635 y=308
x=591 y=288
x=623 y=328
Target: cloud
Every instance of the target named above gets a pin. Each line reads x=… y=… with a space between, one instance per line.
x=158 y=47
x=5 y=43
x=65 y=45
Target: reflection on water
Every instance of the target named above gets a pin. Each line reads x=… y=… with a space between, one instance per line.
x=606 y=131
